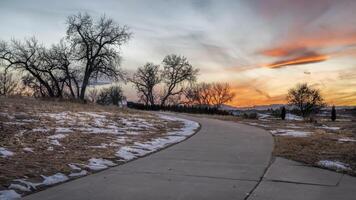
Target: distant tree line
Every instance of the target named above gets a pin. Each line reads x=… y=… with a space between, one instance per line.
x=177 y=81
x=180 y=108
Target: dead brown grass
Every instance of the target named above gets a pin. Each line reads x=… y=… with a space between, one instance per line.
x=77 y=147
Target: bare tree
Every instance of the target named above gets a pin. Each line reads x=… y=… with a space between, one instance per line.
x=28 y=57
x=209 y=94
x=145 y=79
x=96 y=45
x=198 y=94
x=60 y=63
x=176 y=72
x=306 y=99
x=8 y=83
x=221 y=94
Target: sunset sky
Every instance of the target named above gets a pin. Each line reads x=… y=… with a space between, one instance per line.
x=261 y=47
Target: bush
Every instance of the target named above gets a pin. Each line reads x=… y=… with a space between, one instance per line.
x=333 y=113
x=111 y=96
x=283 y=113
x=252 y=115
x=180 y=108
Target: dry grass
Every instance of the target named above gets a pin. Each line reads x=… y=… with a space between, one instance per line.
x=19 y=131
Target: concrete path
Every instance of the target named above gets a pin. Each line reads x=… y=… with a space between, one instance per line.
x=224 y=160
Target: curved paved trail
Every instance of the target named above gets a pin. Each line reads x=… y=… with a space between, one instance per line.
x=224 y=160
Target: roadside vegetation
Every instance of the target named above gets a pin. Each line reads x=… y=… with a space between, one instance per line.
x=307 y=131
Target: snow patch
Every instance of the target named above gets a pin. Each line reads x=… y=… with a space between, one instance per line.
x=290 y=132
x=40 y=130
x=336 y=165
x=55 y=142
x=9 y=195
x=99 y=164
x=290 y=116
x=347 y=139
x=140 y=149
x=5 y=153
x=63 y=130
x=330 y=128
x=19 y=187
x=27 y=149
x=77 y=174
x=74 y=167
x=57 y=136
x=54 y=179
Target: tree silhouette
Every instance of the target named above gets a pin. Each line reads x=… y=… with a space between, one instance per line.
x=306 y=99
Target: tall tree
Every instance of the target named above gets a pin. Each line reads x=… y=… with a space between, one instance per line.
x=307 y=99
x=96 y=44
x=176 y=72
x=145 y=79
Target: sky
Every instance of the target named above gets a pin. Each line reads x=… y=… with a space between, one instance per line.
x=261 y=47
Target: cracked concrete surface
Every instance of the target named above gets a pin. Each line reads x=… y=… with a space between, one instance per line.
x=224 y=160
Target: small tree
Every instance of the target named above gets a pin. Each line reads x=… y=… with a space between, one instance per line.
x=306 y=99
x=283 y=113
x=145 y=79
x=333 y=113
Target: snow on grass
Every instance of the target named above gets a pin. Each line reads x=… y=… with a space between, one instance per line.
x=257 y=124
x=78 y=174
x=9 y=195
x=125 y=153
x=347 y=139
x=336 y=165
x=330 y=128
x=19 y=187
x=47 y=181
x=140 y=149
x=57 y=136
x=28 y=184
x=55 y=142
x=40 y=130
x=5 y=153
x=74 y=167
x=63 y=130
x=262 y=116
x=99 y=164
x=54 y=179
x=290 y=116
x=290 y=132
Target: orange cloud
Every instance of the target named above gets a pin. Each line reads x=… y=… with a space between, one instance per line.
x=298 y=61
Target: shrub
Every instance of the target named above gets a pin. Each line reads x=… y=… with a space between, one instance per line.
x=283 y=113
x=333 y=113
x=111 y=96
x=252 y=115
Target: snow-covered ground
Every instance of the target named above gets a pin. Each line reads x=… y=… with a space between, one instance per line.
x=68 y=123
